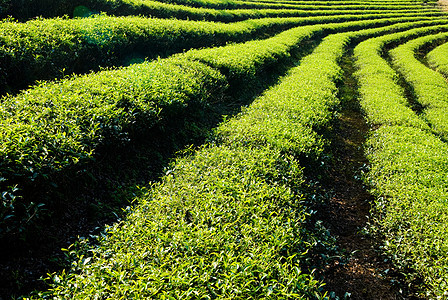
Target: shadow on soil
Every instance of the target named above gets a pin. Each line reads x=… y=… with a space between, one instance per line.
x=359 y=271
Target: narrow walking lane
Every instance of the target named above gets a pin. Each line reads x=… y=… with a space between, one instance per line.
x=360 y=272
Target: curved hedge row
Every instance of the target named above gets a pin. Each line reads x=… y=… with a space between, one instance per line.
x=408 y=174
x=235 y=221
x=57 y=127
x=235 y=218
x=429 y=87
x=107 y=108
x=45 y=130
x=408 y=170
x=438 y=59
x=45 y=49
x=26 y=9
x=163 y=10
x=214 y=226
x=166 y=10
x=315 y=5
x=382 y=99
x=228 y=222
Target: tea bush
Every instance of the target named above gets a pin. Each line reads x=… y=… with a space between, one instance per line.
x=407 y=169
x=50 y=48
x=429 y=87
x=220 y=217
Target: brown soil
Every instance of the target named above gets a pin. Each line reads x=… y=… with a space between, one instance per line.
x=361 y=272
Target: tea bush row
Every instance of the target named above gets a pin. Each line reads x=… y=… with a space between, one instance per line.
x=408 y=169
x=205 y=230
x=304 y=5
x=408 y=174
x=80 y=8
x=382 y=98
x=312 y=102
x=438 y=60
x=429 y=87
x=259 y=239
x=167 y=10
x=56 y=127
x=48 y=48
x=227 y=222
x=247 y=64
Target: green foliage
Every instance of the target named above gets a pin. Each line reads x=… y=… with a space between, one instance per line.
x=56 y=126
x=429 y=87
x=234 y=219
x=44 y=49
x=50 y=48
x=165 y=10
x=304 y=5
x=236 y=208
x=232 y=216
x=225 y=223
x=53 y=127
x=241 y=63
x=408 y=168
x=438 y=59
x=382 y=99
x=26 y=9
x=287 y=115
x=409 y=174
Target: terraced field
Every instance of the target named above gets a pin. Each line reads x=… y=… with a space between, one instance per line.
x=209 y=149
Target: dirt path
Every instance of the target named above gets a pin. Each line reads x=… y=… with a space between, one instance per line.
x=361 y=271
x=443 y=4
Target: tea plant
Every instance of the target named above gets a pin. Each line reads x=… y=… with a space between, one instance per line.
x=382 y=99
x=209 y=203
x=46 y=49
x=171 y=10
x=407 y=172
x=45 y=131
x=437 y=59
x=429 y=87
x=234 y=218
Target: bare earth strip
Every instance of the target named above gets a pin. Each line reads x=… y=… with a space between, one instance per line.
x=361 y=272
